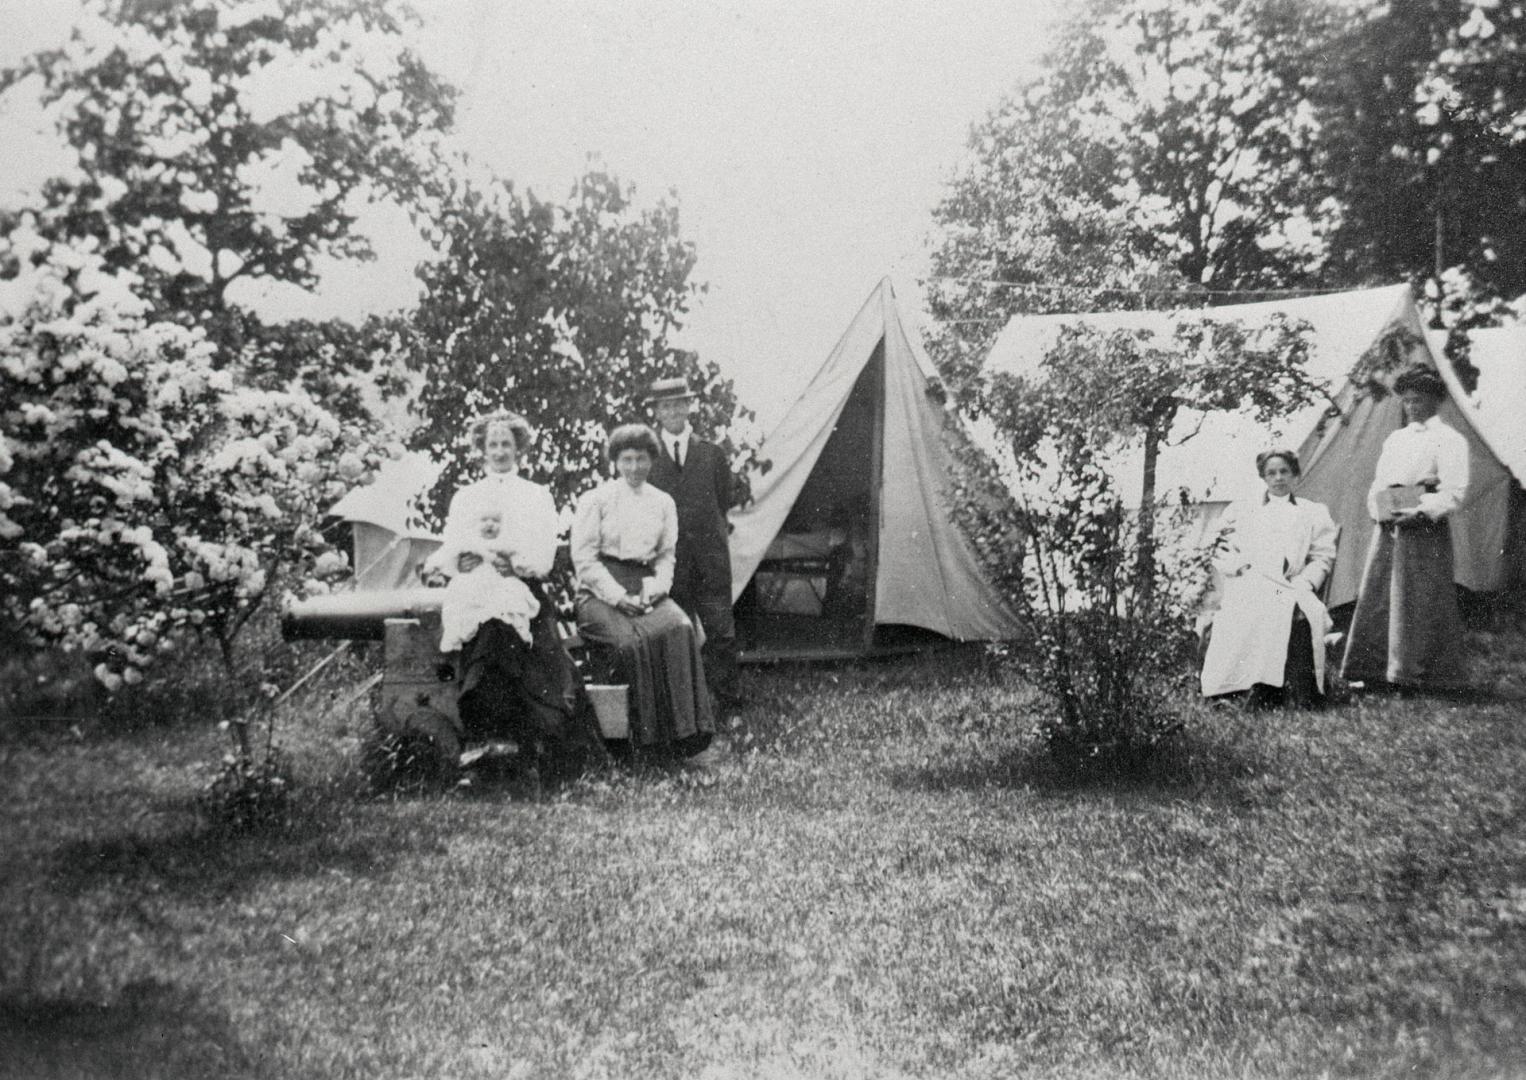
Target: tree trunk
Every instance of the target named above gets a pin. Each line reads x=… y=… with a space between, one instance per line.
x=1145 y=570
x=240 y=719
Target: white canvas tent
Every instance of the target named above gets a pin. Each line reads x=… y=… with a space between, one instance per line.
x=1497 y=406
x=389 y=544
x=848 y=537
x=1217 y=464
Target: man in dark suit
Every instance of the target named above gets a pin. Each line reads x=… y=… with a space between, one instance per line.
x=698 y=476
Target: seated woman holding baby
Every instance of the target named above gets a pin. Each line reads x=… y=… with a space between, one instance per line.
x=516 y=679
x=624 y=540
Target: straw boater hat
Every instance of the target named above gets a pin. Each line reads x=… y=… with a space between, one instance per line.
x=672 y=389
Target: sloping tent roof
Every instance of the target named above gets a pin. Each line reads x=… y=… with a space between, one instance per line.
x=1498 y=404
x=389 y=541
x=1339 y=458
x=926 y=573
x=1217 y=464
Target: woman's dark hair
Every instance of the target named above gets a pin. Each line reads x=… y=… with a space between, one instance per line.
x=632 y=437
x=1287 y=455
x=1422 y=379
x=524 y=434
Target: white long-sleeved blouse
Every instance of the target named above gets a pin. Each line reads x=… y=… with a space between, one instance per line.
x=1419 y=454
x=622 y=522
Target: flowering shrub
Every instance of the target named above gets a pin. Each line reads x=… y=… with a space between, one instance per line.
x=141 y=492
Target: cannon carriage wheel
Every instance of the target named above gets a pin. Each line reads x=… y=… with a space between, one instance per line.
x=413 y=737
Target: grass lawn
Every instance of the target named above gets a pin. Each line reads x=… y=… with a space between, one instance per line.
x=884 y=881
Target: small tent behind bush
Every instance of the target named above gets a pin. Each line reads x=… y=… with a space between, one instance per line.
x=848 y=546
x=388 y=542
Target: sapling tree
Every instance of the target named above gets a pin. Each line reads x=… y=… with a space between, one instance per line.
x=1105 y=594
x=1108 y=657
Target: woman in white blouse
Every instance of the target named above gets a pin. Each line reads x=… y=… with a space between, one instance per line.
x=510 y=687
x=1406 y=630
x=623 y=543
x=1275 y=552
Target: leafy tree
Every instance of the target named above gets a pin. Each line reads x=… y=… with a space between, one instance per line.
x=224 y=146
x=562 y=312
x=1422 y=109
x=1163 y=150
x=1062 y=251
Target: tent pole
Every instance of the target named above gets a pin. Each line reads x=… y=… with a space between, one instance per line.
x=1440 y=243
x=876 y=483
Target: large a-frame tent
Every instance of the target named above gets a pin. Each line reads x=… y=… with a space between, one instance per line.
x=848 y=546
x=1339 y=453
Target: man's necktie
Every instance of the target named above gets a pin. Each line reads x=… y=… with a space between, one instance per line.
x=678 y=453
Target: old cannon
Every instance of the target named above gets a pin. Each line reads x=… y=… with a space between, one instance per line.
x=415 y=730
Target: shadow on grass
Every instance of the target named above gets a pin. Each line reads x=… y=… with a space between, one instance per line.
x=150 y=1029
x=1479 y=697
x=1190 y=766
x=200 y=857
x=1429 y=941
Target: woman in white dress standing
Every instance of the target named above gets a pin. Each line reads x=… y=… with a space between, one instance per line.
x=1406 y=630
x=1275 y=552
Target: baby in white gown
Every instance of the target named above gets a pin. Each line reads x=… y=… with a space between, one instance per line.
x=482 y=593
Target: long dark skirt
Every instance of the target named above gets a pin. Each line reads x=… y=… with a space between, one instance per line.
x=658 y=655
x=529 y=693
x=1299 y=689
x=1406 y=629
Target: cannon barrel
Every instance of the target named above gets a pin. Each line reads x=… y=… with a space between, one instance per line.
x=361 y=616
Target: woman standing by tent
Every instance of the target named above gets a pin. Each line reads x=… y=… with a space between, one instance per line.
x=1268 y=636
x=624 y=541
x=526 y=690
x=1406 y=630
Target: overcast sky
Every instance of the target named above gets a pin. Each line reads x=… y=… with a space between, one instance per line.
x=807 y=140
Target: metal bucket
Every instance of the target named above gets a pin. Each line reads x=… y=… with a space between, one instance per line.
x=611 y=703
